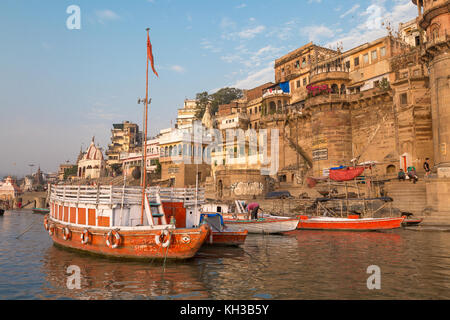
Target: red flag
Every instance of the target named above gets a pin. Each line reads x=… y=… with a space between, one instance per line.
x=150 y=55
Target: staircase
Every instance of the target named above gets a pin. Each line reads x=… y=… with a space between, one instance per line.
x=408 y=196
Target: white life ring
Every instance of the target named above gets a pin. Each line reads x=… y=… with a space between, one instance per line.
x=85 y=236
x=111 y=235
x=46 y=222
x=51 y=229
x=66 y=233
x=165 y=234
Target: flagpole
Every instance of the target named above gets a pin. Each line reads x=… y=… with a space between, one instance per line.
x=144 y=148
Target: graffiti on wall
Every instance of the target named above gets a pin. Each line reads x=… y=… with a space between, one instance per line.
x=247 y=188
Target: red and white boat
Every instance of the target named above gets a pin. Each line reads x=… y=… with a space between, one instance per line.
x=108 y=221
x=352 y=223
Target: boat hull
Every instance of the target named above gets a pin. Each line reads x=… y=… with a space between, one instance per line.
x=411 y=222
x=41 y=211
x=227 y=238
x=263 y=226
x=134 y=244
x=368 y=224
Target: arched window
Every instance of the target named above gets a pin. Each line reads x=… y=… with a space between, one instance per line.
x=343 y=89
x=334 y=88
x=390 y=169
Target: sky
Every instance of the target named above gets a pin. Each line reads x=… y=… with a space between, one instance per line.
x=59 y=87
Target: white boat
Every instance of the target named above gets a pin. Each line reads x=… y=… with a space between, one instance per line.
x=263 y=225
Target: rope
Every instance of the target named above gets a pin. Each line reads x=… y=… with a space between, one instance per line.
x=36 y=220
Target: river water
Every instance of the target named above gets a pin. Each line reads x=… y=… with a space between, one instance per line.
x=301 y=265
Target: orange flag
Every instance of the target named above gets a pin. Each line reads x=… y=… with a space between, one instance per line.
x=150 y=55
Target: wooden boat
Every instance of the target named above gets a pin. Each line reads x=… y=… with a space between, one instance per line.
x=265 y=225
x=345 y=174
x=108 y=221
x=220 y=233
x=41 y=211
x=353 y=223
x=408 y=222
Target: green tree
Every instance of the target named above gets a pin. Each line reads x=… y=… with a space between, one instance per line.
x=223 y=96
x=70 y=172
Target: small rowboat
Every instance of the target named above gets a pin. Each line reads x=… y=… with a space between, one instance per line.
x=221 y=234
x=411 y=222
x=264 y=225
x=41 y=211
x=349 y=224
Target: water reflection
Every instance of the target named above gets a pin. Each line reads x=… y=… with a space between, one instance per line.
x=301 y=265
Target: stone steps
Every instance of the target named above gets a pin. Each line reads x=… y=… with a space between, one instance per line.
x=408 y=196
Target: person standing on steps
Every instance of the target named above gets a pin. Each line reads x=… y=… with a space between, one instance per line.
x=426 y=167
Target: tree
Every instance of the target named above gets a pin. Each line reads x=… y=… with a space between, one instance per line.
x=223 y=96
x=70 y=172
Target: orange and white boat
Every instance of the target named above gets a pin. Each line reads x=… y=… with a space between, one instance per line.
x=352 y=223
x=108 y=221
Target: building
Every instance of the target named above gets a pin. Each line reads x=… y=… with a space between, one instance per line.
x=434 y=20
x=63 y=168
x=125 y=138
x=186 y=115
x=9 y=190
x=92 y=165
x=132 y=160
x=184 y=156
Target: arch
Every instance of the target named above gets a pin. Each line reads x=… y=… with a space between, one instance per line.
x=334 y=88
x=272 y=107
x=391 y=169
x=220 y=189
x=343 y=89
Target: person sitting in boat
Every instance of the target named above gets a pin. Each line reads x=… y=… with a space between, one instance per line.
x=253 y=209
x=401 y=175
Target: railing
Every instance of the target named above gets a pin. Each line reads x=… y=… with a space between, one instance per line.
x=112 y=195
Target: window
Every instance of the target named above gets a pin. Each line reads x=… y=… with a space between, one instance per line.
x=403 y=99
x=366 y=58
x=304 y=81
x=347 y=65
x=303 y=62
x=382 y=51
x=374 y=55
x=417 y=41
x=256 y=110
x=297 y=64
x=298 y=83
x=356 y=62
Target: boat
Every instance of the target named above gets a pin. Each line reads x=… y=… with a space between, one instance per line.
x=264 y=225
x=2 y=212
x=351 y=223
x=41 y=211
x=220 y=233
x=107 y=220
x=345 y=173
x=410 y=219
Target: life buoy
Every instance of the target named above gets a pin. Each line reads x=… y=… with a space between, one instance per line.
x=85 y=237
x=67 y=234
x=110 y=239
x=46 y=223
x=51 y=230
x=159 y=239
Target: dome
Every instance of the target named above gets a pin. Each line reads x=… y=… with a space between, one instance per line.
x=93 y=152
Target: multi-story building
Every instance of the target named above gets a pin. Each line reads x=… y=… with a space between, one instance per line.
x=186 y=115
x=125 y=138
x=132 y=160
x=184 y=157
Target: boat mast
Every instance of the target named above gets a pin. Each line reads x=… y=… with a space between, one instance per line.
x=144 y=146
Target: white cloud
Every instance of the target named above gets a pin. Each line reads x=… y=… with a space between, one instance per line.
x=241 y=6
x=315 y=33
x=107 y=15
x=351 y=10
x=178 y=69
x=250 y=33
x=257 y=78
